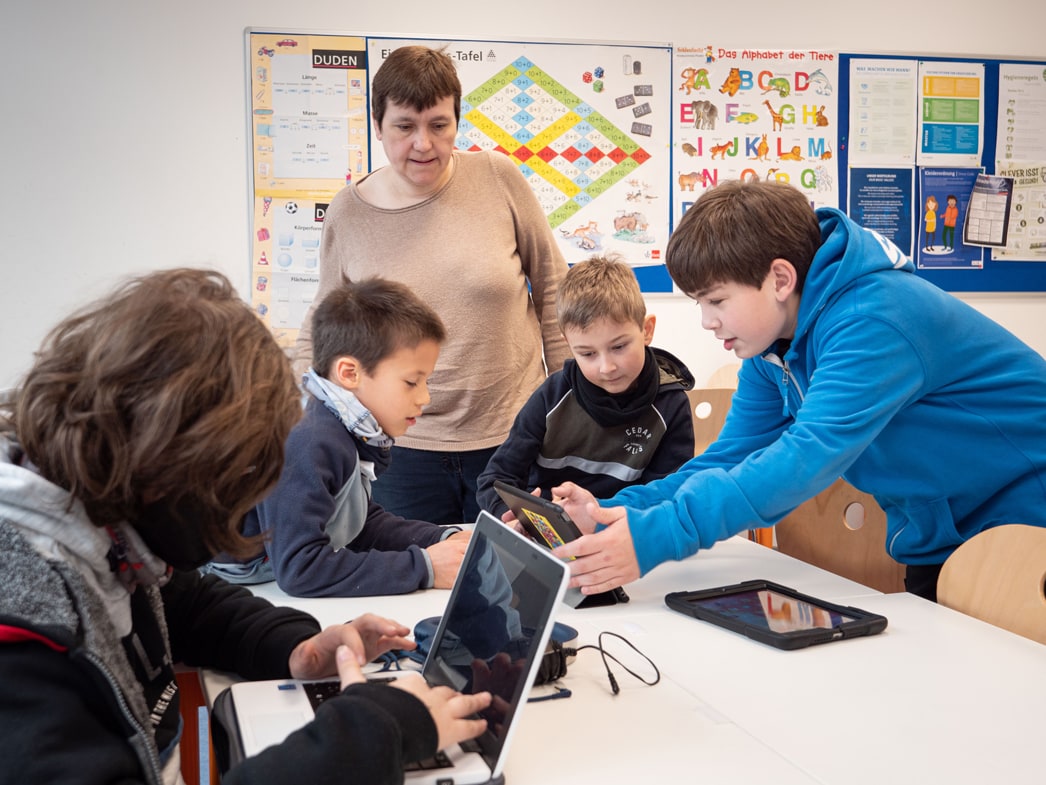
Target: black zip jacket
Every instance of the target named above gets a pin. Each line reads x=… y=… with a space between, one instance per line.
x=570 y=430
x=70 y=710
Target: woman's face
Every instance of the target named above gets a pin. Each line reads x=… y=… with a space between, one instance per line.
x=419 y=145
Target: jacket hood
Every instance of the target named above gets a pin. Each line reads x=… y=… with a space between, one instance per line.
x=672 y=369
x=848 y=252
x=43 y=512
x=60 y=531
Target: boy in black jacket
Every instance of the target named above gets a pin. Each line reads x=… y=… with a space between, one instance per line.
x=616 y=415
x=145 y=429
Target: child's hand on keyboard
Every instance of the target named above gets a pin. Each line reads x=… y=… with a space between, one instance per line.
x=450 y=710
x=366 y=637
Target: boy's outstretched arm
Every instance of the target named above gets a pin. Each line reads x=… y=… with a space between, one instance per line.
x=606 y=559
x=445 y=557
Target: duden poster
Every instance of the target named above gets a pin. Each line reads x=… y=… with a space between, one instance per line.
x=309 y=137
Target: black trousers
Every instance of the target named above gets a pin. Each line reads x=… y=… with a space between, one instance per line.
x=921 y=579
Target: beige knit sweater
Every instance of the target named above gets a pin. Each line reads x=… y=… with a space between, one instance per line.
x=469 y=252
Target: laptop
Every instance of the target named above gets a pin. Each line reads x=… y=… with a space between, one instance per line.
x=502 y=604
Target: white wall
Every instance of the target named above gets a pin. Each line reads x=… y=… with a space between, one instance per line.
x=123 y=146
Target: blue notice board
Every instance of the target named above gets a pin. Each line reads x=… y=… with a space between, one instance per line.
x=996 y=276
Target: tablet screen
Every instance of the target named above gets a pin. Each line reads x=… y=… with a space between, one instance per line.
x=543 y=520
x=772 y=611
x=544 y=527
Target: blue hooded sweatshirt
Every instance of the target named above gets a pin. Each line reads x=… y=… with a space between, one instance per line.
x=905 y=391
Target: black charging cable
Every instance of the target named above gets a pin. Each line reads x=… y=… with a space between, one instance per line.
x=554 y=665
x=606 y=654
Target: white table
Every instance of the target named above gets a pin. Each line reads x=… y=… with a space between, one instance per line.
x=937 y=697
x=730 y=561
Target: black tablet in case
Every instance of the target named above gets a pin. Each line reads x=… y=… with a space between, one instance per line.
x=545 y=521
x=548 y=524
x=776 y=615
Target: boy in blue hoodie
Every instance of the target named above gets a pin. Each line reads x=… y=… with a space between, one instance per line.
x=853 y=367
x=374 y=347
x=615 y=415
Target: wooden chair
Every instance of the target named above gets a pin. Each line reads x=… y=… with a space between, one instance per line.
x=842 y=530
x=197 y=768
x=724 y=376
x=998 y=576
x=709 y=408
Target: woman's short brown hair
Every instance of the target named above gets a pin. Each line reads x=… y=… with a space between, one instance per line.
x=170 y=389
x=735 y=230
x=415 y=76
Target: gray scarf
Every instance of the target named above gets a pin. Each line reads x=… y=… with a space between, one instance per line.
x=356 y=418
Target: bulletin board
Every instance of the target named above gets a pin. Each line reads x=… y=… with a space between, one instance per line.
x=618 y=139
x=878 y=135
x=586 y=123
x=994 y=129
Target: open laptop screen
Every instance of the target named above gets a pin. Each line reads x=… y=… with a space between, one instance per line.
x=498 y=615
x=491 y=637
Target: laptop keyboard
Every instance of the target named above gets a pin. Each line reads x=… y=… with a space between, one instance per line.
x=319 y=691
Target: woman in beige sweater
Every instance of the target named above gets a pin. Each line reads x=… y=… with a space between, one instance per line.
x=466 y=233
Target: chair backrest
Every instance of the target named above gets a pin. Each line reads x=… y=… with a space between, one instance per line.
x=998 y=576
x=709 y=408
x=724 y=376
x=842 y=530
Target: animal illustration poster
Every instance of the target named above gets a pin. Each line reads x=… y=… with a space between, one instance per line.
x=755 y=115
x=587 y=124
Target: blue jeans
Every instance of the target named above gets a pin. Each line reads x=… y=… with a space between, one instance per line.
x=425 y=485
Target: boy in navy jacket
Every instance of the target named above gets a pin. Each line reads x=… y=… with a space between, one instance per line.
x=375 y=345
x=615 y=415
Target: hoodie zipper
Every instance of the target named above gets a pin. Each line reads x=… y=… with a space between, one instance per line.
x=128 y=715
x=788 y=381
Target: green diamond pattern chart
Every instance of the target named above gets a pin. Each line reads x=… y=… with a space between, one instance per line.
x=568 y=151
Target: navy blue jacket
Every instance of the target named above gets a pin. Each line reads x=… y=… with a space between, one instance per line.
x=326 y=537
x=556 y=438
